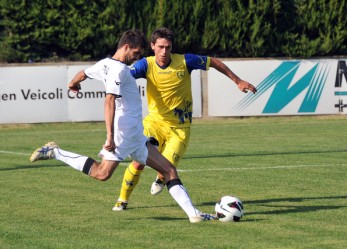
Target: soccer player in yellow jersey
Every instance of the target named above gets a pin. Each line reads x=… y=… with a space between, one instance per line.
x=170 y=104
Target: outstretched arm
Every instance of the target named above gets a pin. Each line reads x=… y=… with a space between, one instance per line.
x=74 y=84
x=110 y=110
x=243 y=85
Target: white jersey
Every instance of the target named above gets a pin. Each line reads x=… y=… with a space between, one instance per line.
x=128 y=126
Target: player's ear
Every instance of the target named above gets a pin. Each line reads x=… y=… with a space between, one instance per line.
x=152 y=45
x=126 y=47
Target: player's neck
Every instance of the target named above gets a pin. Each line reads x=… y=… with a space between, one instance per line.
x=163 y=64
x=119 y=56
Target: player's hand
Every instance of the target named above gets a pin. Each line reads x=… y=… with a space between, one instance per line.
x=245 y=86
x=110 y=145
x=75 y=87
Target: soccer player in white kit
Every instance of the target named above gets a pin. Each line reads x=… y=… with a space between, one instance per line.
x=123 y=120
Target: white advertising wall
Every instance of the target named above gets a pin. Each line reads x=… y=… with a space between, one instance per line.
x=33 y=94
x=285 y=87
x=37 y=94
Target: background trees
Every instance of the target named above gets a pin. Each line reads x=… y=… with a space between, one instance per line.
x=51 y=30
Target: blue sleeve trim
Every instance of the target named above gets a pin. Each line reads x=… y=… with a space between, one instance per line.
x=195 y=62
x=139 y=69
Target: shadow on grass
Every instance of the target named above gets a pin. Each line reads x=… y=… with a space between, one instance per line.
x=295 y=199
x=33 y=166
x=165 y=218
x=265 y=154
x=278 y=208
x=152 y=206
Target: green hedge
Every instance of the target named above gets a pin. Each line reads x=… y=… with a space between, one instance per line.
x=51 y=30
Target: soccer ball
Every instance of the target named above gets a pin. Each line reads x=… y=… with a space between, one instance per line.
x=229 y=208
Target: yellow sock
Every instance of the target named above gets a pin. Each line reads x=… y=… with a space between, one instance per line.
x=130 y=179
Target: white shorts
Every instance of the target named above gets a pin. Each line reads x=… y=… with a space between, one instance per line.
x=138 y=152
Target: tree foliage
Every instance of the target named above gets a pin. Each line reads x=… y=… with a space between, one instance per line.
x=49 y=30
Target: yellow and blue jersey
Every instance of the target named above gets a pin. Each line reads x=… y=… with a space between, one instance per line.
x=169 y=90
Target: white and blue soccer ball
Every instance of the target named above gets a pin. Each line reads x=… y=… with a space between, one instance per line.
x=229 y=208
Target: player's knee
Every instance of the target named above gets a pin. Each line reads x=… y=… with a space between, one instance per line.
x=137 y=165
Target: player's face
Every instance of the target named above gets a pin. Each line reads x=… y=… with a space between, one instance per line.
x=132 y=55
x=162 y=50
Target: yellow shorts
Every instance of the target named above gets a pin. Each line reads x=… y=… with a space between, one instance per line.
x=173 y=142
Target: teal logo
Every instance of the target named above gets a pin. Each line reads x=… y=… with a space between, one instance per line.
x=340 y=74
x=285 y=90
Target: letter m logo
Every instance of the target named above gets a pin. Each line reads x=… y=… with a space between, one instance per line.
x=285 y=90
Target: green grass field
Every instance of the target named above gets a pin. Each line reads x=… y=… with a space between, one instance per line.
x=290 y=173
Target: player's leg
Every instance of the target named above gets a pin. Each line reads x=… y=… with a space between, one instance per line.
x=132 y=173
x=100 y=171
x=130 y=179
x=176 y=189
x=176 y=143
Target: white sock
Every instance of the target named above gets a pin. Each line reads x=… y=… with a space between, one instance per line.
x=179 y=193
x=72 y=159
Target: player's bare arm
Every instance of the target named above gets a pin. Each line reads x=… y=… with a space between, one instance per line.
x=110 y=110
x=243 y=85
x=74 y=84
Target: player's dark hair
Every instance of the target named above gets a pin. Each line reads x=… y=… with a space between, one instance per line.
x=162 y=33
x=134 y=38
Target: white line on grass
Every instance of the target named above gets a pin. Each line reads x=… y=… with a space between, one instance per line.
x=14 y=153
x=257 y=168
x=125 y=163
